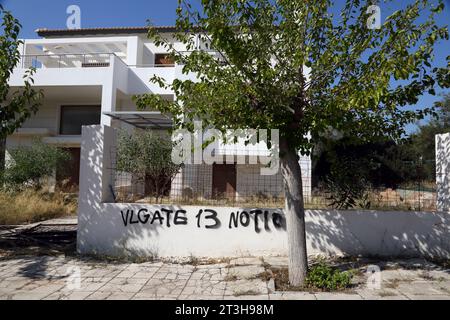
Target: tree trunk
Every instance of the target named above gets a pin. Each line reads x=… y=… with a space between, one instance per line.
x=295 y=214
x=2 y=155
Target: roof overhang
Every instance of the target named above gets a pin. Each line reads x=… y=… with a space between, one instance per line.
x=43 y=32
x=142 y=119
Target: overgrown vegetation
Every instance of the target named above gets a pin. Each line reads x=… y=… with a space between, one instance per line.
x=24 y=197
x=324 y=277
x=384 y=162
x=321 y=277
x=31 y=165
x=349 y=169
x=31 y=206
x=147 y=156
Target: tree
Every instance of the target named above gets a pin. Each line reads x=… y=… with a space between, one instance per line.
x=147 y=156
x=291 y=65
x=422 y=142
x=17 y=106
x=31 y=164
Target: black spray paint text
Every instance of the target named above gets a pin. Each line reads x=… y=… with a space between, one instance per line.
x=206 y=218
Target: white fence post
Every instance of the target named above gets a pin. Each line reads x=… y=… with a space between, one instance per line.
x=443 y=172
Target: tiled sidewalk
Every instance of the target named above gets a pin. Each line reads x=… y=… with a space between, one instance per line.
x=50 y=277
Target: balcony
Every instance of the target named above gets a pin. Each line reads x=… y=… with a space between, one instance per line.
x=84 y=60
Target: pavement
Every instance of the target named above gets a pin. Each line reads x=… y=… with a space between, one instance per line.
x=61 y=277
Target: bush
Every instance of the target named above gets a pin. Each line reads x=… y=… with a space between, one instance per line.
x=148 y=157
x=324 y=277
x=31 y=164
x=347 y=184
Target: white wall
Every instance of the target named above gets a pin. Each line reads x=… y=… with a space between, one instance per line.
x=139 y=229
x=122 y=229
x=443 y=171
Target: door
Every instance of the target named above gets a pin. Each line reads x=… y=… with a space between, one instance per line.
x=224 y=181
x=68 y=178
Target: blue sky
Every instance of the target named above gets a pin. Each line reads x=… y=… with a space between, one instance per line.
x=103 y=13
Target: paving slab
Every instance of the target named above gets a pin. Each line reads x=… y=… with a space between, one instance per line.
x=246 y=272
x=247 y=297
x=246 y=287
x=277 y=262
x=292 y=296
x=337 y=296
x=202 y=288
x=432 y=297
x=421 y=288
x=48 y=277
x=75 y=295
x=382 y=294
x=246 y=261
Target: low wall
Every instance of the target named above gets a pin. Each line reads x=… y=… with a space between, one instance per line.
x=167 y=231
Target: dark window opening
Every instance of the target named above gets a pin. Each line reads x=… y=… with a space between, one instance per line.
x=163 y=60
x=74 y=117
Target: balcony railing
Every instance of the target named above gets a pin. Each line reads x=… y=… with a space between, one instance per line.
x=84 y=60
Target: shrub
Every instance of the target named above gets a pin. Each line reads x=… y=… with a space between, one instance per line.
x=324 y=277
x=148 y=157
x=347 y=184
x=31 y=164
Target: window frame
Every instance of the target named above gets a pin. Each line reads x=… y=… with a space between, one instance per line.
x=79 y=105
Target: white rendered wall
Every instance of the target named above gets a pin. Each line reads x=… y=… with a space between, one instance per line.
x=170 y=230
x=443 y=172
x=334 y=233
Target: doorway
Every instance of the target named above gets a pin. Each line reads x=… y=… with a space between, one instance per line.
x=68 y=178
x=224 y=181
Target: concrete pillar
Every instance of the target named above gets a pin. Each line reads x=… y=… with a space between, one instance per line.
x=443 y=172
x=96 y=178
x=135 y=48
x=109 y=98
x=96 y=188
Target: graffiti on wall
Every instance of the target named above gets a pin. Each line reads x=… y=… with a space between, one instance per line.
x=257 y=219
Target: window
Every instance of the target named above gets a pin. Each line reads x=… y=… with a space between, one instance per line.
x=74 y=117
x=163 y=60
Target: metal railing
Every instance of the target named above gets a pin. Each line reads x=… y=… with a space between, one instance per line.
x=67 y=60
x=83 y=60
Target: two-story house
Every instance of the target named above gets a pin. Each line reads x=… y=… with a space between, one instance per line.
x=89 y=76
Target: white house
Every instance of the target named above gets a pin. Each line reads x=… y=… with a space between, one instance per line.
x=89 y=76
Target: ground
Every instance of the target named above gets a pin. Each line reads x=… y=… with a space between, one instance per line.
x=55 y=277
x=39 y=262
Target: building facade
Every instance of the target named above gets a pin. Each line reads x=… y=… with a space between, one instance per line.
x=89 y=76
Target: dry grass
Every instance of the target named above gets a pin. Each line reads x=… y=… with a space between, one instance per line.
x=380 y=199
x=33 y=206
